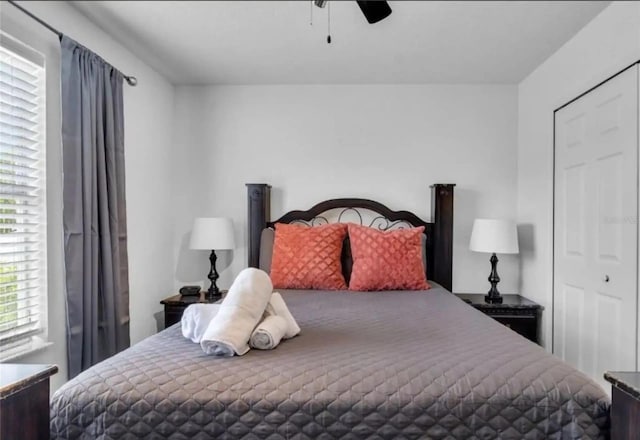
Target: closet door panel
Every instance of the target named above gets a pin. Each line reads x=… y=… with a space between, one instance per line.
x=595 y=228
x=615 y=150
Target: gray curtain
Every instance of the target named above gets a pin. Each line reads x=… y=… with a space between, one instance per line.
x=95 y=232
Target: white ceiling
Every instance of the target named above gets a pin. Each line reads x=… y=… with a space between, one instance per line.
x=272 y=42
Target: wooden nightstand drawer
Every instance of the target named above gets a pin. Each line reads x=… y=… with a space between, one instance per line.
x=519 y=314
x=174 y=306
x=527 y=326
x=625 y=404
x=24 y=401
x=172 y=314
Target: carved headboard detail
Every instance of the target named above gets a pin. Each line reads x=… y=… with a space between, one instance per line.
x=439 y=232
x=360 y=216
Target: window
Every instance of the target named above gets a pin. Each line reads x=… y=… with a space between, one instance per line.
x=23 y=277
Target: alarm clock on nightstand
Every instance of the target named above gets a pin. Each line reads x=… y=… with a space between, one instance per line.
x=190 y=291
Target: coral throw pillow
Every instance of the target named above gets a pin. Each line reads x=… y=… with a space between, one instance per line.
x=308 y=257
x=387 y=260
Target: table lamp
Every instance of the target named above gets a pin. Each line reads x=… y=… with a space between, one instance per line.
x=212 y=234
x=495 y=237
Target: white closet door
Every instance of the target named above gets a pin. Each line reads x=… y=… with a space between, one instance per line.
x=595 y=228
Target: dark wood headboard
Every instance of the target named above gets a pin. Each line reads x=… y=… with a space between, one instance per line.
x=439 y=232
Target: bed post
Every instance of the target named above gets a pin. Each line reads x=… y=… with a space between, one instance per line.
x=442 y=217
x=259 y=206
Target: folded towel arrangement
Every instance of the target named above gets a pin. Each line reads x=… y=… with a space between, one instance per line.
x=227 y=333
x=268 y=333
x=240 y=312
x=196 y=319
x=278 y=307
x=278 y=324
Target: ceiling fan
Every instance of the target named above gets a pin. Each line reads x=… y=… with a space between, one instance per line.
x=374 y=11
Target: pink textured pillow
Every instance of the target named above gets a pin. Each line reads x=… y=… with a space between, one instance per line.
x=308 y=257
x=386 y=260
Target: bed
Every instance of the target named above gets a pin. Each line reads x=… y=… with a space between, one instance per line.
x=400 y=364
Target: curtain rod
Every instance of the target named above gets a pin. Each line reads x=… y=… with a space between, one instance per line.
x=131 y=80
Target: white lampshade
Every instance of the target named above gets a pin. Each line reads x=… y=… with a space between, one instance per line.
x=491 y=235
x=212 y=234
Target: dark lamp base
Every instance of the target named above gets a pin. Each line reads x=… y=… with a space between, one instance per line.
x=493 y=296
x=493 y=299
x=213 y=296
x=213 y=293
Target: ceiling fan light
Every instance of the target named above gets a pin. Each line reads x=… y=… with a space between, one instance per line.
x=374 y=11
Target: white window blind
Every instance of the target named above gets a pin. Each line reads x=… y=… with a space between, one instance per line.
x=22 y=199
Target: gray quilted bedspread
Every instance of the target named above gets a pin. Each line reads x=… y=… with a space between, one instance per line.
x=366 y=365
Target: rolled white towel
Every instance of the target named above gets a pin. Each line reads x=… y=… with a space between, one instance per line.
x=268 y=333
x=229 y=331
x=278 y=307
x=196 y=319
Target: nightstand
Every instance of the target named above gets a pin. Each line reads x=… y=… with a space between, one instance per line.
x=519 y=314
x=24 y=401
x=174 y=306
x=625 y=404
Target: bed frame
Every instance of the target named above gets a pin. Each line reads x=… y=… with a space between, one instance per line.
x=439 y=232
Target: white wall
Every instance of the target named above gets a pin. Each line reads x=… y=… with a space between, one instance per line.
x=149 y=150
x=610 y=42
x=317 y=142
x=313 y=143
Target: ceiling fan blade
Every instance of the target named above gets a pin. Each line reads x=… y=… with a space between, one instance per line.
x=374 y=11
